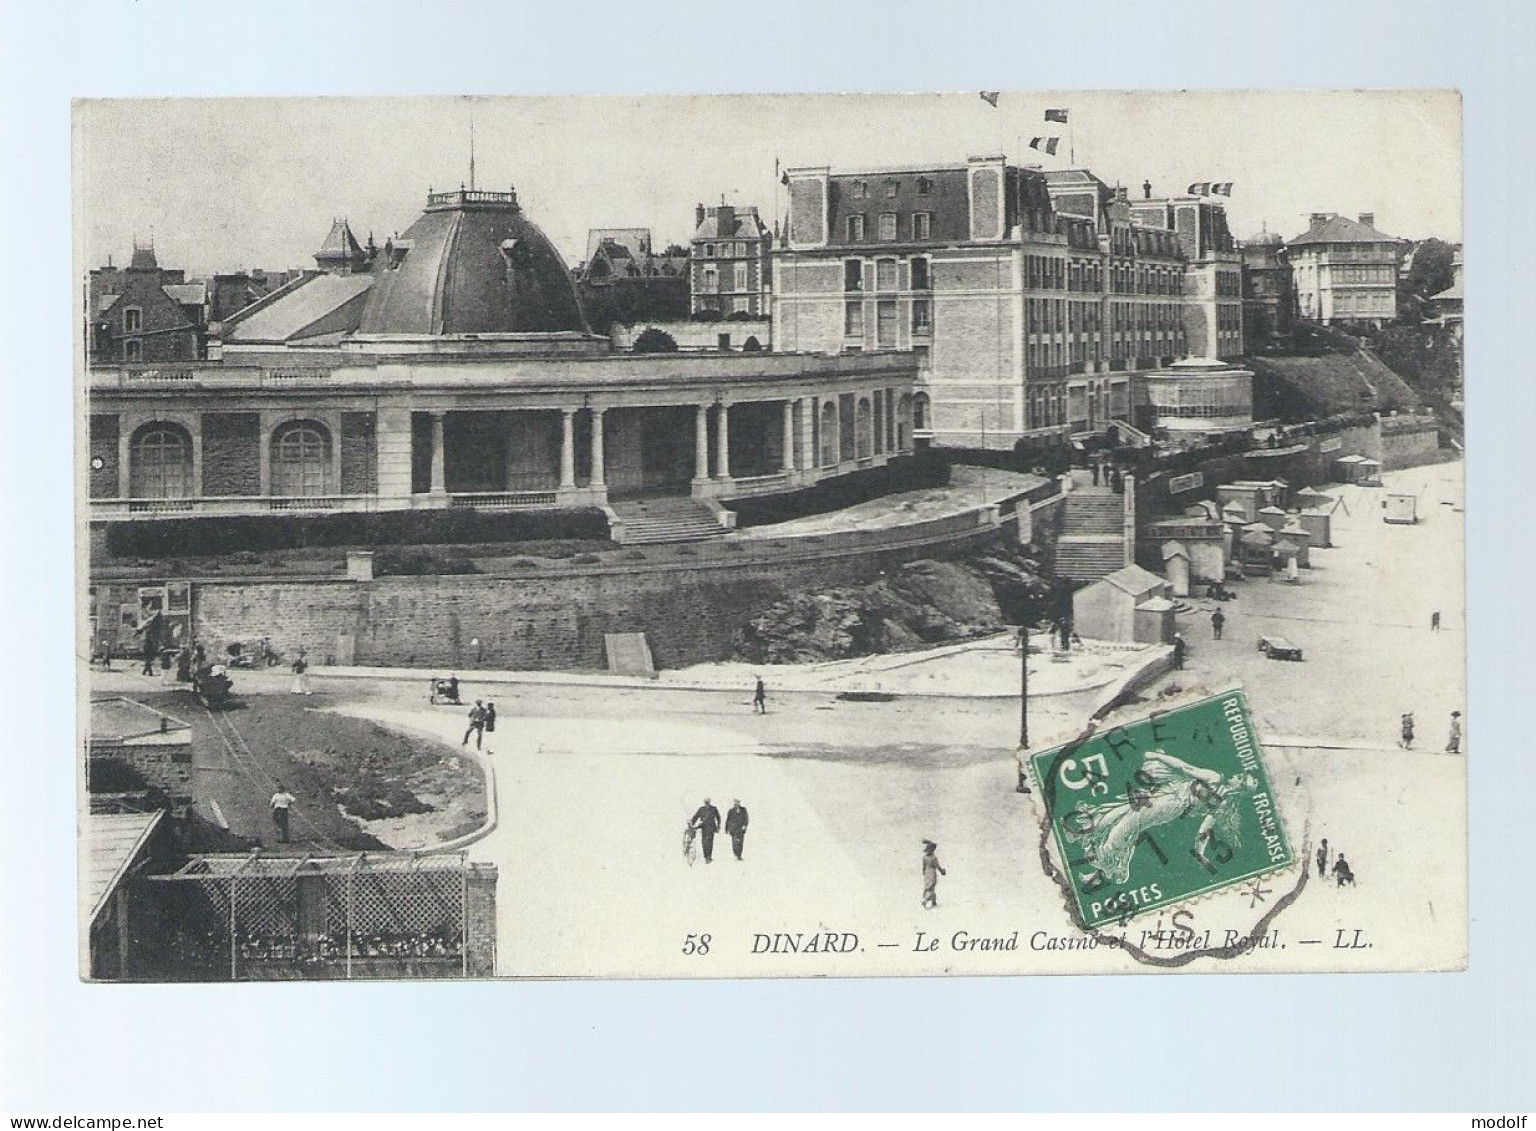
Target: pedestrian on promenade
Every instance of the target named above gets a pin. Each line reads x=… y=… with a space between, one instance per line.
x=1095 y=468
x=1406 y=741
x=476 y=725
x=736 y=826
x=707 y=820
x=490 y=720
x=151 y=631
x=300 y=680
x=1179 y=648
x=281 y=802
x=932 y=870
x=1342 y=873
x=1434 y=621
x=760 y=698
x=1218 y=618
x=1453 y=743
x=1322 y=859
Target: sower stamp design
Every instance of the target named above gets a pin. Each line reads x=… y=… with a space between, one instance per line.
x=1155 y=812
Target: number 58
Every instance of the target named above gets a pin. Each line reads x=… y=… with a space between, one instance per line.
x=696 y=944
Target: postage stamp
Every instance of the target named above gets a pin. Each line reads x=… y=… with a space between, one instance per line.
x=1155 y=812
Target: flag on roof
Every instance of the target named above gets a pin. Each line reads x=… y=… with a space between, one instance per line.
x=1048 y=144
x=1200 y=188
x=1222 y=188
x=1055 y=115
x=990 y=97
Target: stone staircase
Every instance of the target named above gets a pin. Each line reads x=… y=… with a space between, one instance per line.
x=1092 y=541
x=667 y=519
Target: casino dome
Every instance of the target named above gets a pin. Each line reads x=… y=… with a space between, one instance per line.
x=1263 y=239
x=472 y=263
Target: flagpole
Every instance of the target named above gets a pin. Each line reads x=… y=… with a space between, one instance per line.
x=1071 y=142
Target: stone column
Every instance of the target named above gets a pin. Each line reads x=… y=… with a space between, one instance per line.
x=789 y=435
x=197 y=454
x=265 y=424
x=393 y=439
x=439 y=466
x=333 y=423
x=125 y=427
x=567 y=448
x=701 y=443
x=597 y=449
x=723 y=442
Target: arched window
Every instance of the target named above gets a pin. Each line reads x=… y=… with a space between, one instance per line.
x=301 y=458
x=160 y=462
x=905 y=408
x=866 y=429
x=828 y=434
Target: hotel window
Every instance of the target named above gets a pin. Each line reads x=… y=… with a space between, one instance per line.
x=922 y=224
x=711 y=281
x=923 y=357
x=922 y=316
x=920 y=281
x=133 y=320
x=853 y=275
x=853 y=320
x=739 y=279
x=924 y=186
x=855 y=228
x=860 y=190
x=885 y=323
x=891 y=188
x=888 y=226
x=885 y=275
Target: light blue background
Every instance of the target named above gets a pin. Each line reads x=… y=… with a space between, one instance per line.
x=1454 y=1042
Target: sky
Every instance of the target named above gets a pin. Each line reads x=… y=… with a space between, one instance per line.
x=222 y=184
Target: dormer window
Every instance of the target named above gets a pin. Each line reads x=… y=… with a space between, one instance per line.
x=924 y=186
x=133 y=320
x=860 y=190
x=891 y=188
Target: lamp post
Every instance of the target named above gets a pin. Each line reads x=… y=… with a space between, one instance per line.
x=1023 y=784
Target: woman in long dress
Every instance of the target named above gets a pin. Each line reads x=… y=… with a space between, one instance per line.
x=1165 y=789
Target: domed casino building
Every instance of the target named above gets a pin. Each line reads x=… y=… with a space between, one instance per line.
x=453 y=367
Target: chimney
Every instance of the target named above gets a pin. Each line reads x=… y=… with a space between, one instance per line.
x=1320 y=218
x=1146 y=190
x=698 y=216
x=1368 y=219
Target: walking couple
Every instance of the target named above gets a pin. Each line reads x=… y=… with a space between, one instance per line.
x=705 y=823
x=482 y=721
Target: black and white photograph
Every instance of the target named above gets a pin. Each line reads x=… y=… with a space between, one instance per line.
x=1037 y=516
x=824 y=558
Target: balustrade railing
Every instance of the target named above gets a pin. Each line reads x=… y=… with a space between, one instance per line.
x=503 y=500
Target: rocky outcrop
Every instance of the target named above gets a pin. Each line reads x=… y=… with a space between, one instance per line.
x=924 y=602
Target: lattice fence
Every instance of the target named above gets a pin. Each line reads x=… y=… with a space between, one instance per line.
x=252 y=918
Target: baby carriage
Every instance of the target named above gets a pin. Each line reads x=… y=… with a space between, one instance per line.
x=444 y=691
x=211 y=683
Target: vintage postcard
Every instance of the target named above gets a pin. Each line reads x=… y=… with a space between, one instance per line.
x=977 y=533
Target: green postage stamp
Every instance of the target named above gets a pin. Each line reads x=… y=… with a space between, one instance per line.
x=1156 y=812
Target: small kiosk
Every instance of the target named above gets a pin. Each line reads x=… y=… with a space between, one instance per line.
x=1401 y=509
